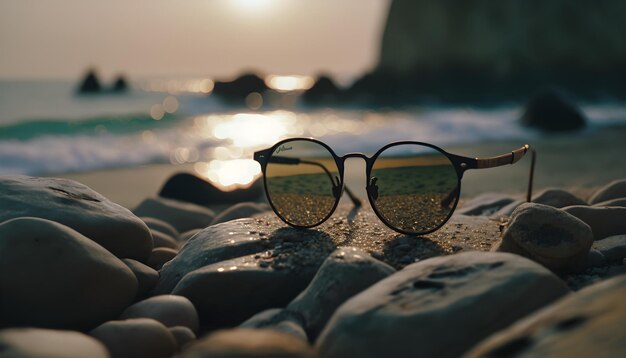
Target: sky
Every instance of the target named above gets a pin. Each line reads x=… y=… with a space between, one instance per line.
x=60 y=39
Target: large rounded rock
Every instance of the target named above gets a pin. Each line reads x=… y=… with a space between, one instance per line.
x=242 y=343
x=190 y=188
x=557 y=198
x=439 y=307
x=214 y=244
x=550 y=236
x=77 y=206
x=613 y=190
x=136 y=338
x=553 y=111
x=604 y=221
x=229 y=292
x=346 y=272
x=182 y=216
x=52 y=276
x=48 y=343
x=588 y=323
x=170 y=310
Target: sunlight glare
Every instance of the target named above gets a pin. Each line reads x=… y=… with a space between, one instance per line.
x=252 y=5
x=289 y=83
x=252 y=130
x=229 y=174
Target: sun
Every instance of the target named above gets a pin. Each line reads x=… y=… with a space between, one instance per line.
x=252 y=5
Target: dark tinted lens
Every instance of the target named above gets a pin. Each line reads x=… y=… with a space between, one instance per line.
x=302 y=180
x=415 y=187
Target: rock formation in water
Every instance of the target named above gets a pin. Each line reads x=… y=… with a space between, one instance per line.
x=480 y=49
x=504 y=37
x=324 y=90
x=552 y=111
x=90 y=83
x=239 y=88
x=120 y=85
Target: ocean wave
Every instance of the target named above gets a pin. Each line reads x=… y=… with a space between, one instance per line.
x=125 y=124
x=53 y=146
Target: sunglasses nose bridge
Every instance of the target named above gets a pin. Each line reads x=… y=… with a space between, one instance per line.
x=354 y=155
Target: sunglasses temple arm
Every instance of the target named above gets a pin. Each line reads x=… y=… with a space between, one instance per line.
x=294 y=161
x=356 y=201
x=531 y=176
x=511 y=158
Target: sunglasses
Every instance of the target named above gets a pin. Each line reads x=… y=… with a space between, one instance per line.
x=413 y=187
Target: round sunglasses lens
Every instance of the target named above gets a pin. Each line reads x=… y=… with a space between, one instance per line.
x=302 y=182
x=414 y=187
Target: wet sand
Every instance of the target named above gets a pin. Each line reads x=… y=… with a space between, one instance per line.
x=578 y=162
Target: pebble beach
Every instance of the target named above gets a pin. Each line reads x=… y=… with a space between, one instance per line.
x=164 y=277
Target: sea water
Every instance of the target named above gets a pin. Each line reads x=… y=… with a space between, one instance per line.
x=46 y=128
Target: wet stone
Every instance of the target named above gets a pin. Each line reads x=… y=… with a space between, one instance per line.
x=346 y=272
x=549 y=236
x=52 y=276
x=261 y=235
x=214 y=244
x=222 y=291
x=403 y=315
x=78 y=207
x=588 y=323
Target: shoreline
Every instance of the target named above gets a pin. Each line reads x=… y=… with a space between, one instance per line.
x=579 y=162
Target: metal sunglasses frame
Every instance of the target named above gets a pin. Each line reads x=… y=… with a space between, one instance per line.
x=460 y=163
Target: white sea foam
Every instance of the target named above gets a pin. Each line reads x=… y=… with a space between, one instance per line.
x=190 y=138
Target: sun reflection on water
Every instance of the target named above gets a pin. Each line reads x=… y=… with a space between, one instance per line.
x=199 y=86
x=229 y=174
x=289 y=83
x=248 y=130
x=226 y=160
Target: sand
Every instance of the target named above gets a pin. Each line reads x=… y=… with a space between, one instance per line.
x=579 y=162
